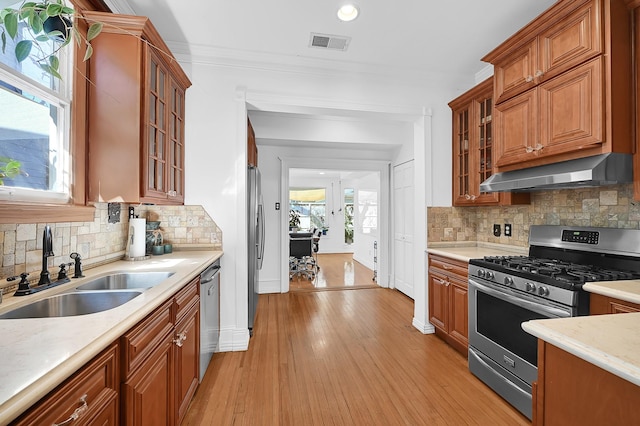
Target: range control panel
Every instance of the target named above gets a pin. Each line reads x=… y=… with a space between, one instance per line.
x=584 y=237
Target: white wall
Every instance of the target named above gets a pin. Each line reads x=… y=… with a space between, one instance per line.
x=216 y=150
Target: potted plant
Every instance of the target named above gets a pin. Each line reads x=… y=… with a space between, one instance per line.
x=45 y=21
x=294 y=220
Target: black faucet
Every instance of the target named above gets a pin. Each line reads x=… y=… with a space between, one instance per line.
x=77 y=272
x=47 y=252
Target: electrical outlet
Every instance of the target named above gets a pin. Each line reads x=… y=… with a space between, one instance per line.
x=496 y=229
x=507 y=229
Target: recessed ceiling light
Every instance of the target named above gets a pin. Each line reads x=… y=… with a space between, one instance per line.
x=348 y=12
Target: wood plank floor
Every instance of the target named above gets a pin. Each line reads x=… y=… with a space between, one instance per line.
x=346 y=357
x=337 y=270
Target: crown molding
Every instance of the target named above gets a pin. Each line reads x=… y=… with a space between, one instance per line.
x=293 y=64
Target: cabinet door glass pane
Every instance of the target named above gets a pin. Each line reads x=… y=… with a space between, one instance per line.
x=463 y=152
x=485 y=145
x=152 y=108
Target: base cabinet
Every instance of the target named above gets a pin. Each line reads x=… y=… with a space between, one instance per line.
x=448 y=301
x=161 y=367
x=88 y=397
x=572 y=391
x=600 y=304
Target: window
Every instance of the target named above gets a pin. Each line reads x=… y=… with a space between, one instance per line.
x=310 y=204
x=368 y=211
x=35 y=159
x=348 y=215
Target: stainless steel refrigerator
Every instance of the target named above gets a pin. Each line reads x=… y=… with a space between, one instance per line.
x=255 y=232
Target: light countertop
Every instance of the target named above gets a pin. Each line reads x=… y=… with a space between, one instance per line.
x=611 y=342
x=472 y=250
x=39 y=354
x=628 y=290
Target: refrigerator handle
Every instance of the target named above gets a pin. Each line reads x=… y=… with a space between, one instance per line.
x=261 y=233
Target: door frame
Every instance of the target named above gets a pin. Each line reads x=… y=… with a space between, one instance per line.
x=384 y=211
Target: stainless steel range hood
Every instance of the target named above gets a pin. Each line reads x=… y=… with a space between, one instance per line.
x=599 y=170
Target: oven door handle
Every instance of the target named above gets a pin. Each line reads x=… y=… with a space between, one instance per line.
x=523 y=303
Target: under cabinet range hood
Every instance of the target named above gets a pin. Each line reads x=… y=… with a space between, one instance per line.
x=599 y=170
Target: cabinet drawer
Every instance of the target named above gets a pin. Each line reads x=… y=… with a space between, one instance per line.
x=449 y=266
x=92 y=393
x=144 y=337
x=186 y=297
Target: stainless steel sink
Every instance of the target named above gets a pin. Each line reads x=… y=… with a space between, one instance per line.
x=71 y=304
x=126 y=281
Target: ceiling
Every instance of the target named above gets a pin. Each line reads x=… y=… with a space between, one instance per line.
x=405 y=40
x=392 y=36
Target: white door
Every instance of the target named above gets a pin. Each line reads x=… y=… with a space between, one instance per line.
x=403 y=228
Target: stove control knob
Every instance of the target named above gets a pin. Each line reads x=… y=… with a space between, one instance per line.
x=508 y=281
x=531 y=287
x=481 y=273
x=543 y=291
x=489 y=275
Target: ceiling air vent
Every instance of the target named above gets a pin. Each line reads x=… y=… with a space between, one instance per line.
x=327 y=41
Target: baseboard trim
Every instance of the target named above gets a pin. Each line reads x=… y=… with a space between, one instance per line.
x=234 y=340
x=422 y=327
x=271 y=286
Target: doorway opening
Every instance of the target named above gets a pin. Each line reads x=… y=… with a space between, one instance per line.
x=339 y=211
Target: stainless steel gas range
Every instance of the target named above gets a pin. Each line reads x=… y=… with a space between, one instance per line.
x=506 y=291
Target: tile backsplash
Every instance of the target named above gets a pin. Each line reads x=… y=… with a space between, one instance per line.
x=99 y=241
x=611 y=206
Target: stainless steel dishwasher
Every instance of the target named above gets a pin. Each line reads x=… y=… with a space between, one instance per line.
x=209 y=314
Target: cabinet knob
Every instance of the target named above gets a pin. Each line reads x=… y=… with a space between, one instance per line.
x=529 y=79
x=539 y=73
x=539 y=146
x=528 y=149
x=179 y=339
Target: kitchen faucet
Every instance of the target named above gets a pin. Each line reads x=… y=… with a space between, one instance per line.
x=47 y=251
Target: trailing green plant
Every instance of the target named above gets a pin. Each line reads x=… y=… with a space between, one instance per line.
x=294 y=219
x=9 y=168
x=46 y=21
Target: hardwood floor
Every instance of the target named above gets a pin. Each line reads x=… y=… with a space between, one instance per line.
x=346 y=357
x=337 y=270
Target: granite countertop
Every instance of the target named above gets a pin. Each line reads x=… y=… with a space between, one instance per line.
x=39 y=354
x=611 y=342
x=464 y=251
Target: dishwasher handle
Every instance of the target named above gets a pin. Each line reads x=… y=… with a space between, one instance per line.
x=210 y=274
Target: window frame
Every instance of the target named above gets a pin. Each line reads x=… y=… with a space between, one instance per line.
x=77 y=209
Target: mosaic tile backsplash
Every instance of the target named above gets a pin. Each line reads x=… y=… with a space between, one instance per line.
x=99 y=241
x=611 y=206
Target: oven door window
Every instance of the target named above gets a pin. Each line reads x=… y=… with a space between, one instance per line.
x=500 y=321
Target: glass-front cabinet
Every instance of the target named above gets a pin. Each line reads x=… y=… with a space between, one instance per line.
x=136 y=114
x=473 y=148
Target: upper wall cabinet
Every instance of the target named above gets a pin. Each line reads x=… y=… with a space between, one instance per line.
x=563 y=85
x=473 y=149
x=136 y=114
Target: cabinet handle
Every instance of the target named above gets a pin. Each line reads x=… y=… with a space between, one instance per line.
x=447 y=267
x=179 y=339
x=76 y=413
x=539 y=73
x=529 y=79
x=441 y=281
x=172 y=193
x=470 y=197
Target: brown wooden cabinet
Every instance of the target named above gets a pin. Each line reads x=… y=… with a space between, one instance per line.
x=600 y=304
x=563 y=85
x=252 y=148
x=473 y=149
x=572 y=391
x=448 y=301
x=91 y=395
x=162 y=361
x=136 y=114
